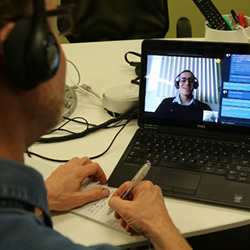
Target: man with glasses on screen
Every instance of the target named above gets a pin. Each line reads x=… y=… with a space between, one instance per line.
x=29 y=110
x=183 y=106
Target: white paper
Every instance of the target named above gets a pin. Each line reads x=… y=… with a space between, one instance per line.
x=99 y=211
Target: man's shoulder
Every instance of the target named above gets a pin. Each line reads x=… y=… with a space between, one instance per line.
x=18 y=170
x=203 y=105
x=168 y=100
x=164 y=105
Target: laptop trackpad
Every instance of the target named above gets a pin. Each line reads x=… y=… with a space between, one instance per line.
x=175 y=180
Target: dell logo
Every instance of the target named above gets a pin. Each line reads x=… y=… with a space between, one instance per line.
x=201 y=126
x=238 y=198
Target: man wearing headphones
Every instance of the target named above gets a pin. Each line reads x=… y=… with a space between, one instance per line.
x=32 y=76
x=183 y=106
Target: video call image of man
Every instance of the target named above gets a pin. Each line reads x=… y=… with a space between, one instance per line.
x=183 y=106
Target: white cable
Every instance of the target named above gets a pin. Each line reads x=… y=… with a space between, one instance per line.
x=84 y=88
x=70 y=101
x=87 y=89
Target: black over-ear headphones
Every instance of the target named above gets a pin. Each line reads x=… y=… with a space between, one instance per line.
x=31 y=51
x=177 y=79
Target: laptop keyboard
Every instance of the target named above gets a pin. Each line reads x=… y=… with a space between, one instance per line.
x=225 y=158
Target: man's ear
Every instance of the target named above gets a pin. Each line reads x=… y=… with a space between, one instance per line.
x=4 y=33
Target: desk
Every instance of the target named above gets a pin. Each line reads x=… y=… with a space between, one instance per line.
x=101 y=65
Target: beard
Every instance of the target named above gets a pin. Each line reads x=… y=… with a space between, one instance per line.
x=52 y=114
x=46 y=111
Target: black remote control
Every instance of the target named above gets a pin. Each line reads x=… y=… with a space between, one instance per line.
x=212 y=15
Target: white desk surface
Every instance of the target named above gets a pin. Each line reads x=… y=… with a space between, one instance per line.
x=102 y=65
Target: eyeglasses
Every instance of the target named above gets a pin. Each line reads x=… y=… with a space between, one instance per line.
x=65 y=23
x=184 y=79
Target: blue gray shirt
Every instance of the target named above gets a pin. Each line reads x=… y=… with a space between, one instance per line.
x=21 y=190
x=178 y=100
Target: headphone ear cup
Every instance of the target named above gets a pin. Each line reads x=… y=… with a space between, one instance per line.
x=196 y=83
x=176 y=82
x=31 y=54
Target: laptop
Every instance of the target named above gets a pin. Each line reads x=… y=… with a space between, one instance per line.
x=194 y=122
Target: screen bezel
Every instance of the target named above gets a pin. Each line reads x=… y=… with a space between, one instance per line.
x=185 y=48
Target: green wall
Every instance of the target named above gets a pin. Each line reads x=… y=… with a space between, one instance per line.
x=186 y=8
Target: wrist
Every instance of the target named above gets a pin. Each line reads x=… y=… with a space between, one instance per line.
x=165 y=235
x=51 y=197
x=52 y=202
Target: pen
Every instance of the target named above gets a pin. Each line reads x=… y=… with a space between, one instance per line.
x=140 y=175
x=235 y=17
x=228 y=22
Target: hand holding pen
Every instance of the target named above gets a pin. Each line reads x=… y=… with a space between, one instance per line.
x=146 y=214
x=140 y=175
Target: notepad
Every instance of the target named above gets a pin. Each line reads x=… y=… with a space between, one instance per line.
x=98 y=211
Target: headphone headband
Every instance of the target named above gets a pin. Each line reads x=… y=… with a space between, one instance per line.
x=31 y=51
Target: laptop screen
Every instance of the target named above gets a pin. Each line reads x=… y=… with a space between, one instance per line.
x=196 y=87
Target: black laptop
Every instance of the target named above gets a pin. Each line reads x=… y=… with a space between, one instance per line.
x=194 y=122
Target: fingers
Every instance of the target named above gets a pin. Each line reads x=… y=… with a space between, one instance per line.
x=73 y=200
x=133 y=214
x=84 y=167
x=94 y=171
x=84 y=160
x=140 y=193
x=122 y=189
x=117 y=194
x=64 y=184
x=117 y=204
x=77 y=161
x=144 y=185
x=92 y=195
x=158 y=188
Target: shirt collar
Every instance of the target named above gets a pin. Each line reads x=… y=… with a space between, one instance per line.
x=178 y=100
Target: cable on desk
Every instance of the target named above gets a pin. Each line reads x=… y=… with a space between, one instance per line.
x=120 y=130
x=29 y=153
x=74 y=119
x=77 y=135
x=84 y=122
x=117 y=124
x=130 y=114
